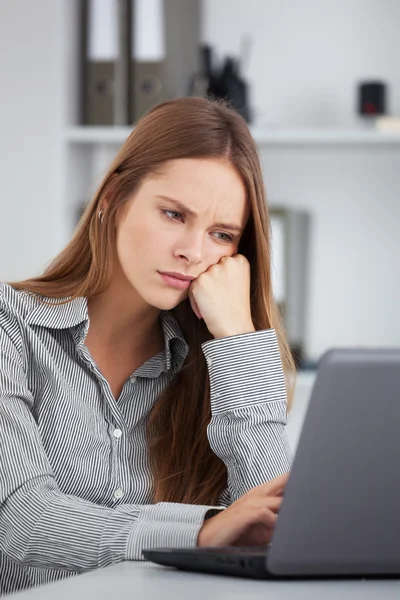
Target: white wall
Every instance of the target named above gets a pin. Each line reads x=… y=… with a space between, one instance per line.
x=28 y=136
x=306 y=60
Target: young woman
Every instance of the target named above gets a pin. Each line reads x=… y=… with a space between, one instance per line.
x=144 y=376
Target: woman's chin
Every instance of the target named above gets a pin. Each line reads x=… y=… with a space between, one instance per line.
x=168 y=301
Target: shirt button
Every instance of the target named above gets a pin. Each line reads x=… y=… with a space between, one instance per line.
x=117 y=433
x=118 y=493
x=133 y=379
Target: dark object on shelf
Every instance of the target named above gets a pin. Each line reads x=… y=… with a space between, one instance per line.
x=226 y=83
x=230 y=85
x=372 y=98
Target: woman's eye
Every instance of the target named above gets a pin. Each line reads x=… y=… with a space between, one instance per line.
x=228 y=238
x=173 y=215
x=176 y=216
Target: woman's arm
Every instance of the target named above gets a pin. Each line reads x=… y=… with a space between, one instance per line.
x=248 y=406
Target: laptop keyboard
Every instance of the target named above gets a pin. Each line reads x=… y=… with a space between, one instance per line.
x=235 y=549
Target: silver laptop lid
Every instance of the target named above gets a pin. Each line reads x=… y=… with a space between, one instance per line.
x=341 y=511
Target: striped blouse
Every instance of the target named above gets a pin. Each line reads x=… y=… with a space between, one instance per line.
x=75 y=482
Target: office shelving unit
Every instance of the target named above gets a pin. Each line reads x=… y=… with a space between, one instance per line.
x=85 y=152
x=263 y=136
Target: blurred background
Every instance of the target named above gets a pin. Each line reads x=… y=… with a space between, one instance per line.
x=319 y=83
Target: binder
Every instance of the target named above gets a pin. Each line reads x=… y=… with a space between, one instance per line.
x=182 y=43
x=136 y=53
x=105 y=75
x=165 y=53
x=148 y=70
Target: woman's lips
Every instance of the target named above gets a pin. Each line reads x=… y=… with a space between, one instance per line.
x=179 y=284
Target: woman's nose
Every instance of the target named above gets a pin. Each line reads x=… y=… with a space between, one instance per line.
x=191 y=247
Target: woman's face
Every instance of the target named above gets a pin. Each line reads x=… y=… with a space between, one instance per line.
x=182 y=220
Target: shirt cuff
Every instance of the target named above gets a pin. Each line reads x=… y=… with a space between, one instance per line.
x=167 y=525
x=244 y=369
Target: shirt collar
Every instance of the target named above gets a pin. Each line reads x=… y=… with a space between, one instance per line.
x=50 y=313
x=176 y=348
x=57 y=313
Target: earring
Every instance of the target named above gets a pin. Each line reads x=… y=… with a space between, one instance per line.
x=101 y=216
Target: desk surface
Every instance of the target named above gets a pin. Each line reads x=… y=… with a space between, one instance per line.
x=137 y=580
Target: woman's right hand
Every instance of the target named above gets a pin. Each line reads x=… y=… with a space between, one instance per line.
x=249 y=521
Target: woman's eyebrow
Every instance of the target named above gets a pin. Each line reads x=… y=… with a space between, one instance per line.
x=182 y=207
x=179 y=205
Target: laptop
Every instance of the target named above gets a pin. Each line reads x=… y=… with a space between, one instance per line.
x=341 y=510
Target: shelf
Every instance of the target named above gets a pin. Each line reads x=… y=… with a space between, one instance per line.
x=96 y=135
x=264 y=137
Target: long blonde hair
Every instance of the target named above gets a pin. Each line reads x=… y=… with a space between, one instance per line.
x=184 y=467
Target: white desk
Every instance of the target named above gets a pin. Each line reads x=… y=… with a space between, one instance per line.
x=140 y=580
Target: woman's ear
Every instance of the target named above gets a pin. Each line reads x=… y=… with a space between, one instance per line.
x=105 y=205
x=110 y=191
x=108 y=194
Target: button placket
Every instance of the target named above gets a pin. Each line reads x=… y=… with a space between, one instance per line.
x=118 y=492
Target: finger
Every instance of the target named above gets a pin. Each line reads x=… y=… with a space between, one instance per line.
x=255 y=535
x=266 y=516
x=274 y=503
x=276 y=486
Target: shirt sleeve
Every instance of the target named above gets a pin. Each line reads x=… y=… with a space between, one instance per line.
x=248 y=408
x=42 y=527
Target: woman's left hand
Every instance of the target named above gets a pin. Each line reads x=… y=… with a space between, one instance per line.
x=221 y=296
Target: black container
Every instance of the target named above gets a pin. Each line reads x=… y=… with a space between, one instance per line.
x=226 y=82
x=372 y=98
x=231 y=86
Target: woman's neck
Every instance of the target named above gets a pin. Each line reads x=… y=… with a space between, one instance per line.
x=121 y=320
